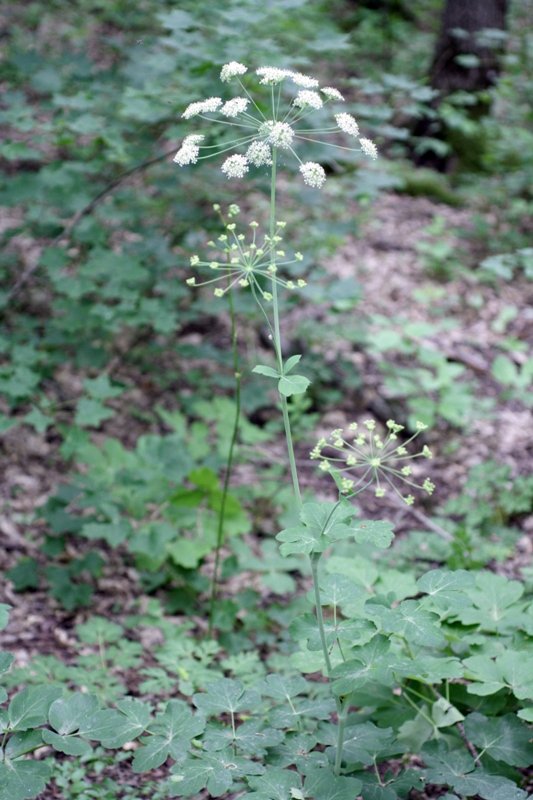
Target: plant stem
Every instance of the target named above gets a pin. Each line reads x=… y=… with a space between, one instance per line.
x=229 y=463
x=340 y=742
x=315 y=558
x=277 y=336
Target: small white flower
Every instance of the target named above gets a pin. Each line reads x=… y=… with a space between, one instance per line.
x=272 y=75
x=347 y=124
x=189 y=150
x=235 y=106
x=235 y=167
x=259 y=154
x=232 y=69
x=202 y=107
x=309 y=99
x=279 y=134
x=332 y=93
x=303 y=80
x=369 y=148
x=313 y=174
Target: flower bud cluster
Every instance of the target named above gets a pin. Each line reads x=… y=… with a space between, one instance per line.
x=245 y=259
x=361 y=456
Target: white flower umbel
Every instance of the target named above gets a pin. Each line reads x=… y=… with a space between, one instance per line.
x=303 y=80
x=270 y=76
x=247 y=260
x=308 y=99
x=261 y=134
x=313 y=174
x=259 y=154
x=231 y=70
x=369 y=148
x=189 y=150
x=347 y=124
x=202 y=107
x=235 y=167
x=332 y=94
x=360 y=457
x=232 y=108
x=278 y=134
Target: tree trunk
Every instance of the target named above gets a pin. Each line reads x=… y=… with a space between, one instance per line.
x=466 y=59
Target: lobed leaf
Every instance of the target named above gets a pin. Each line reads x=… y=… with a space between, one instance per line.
x=293 y=384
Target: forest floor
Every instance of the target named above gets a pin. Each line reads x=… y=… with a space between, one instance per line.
x=385 y=259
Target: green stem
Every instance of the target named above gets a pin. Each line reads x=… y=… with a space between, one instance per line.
x=229 y=464
x=277 y=337
x=315 y=558
x=340 y=742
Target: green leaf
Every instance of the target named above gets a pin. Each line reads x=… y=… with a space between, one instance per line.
x=409 y=621
x=349 y=631
x=445 y=588
x=378 y=533
x=444 y=714
x=526 y=713
x=4 y=615
x=6 y=659
x=512 y=670
x=262 y=369
x=100 y=388
x=212 y=771
x=293 y=384
x=284 y=688
x=29 y=708
x=225 y=696
x=113 y=729
x=504 y=370
x=339 y=591
x=456 y=768
x=24 y=574
x=69 y=714
x=492 y=605
x=251 y=738
x=290 y=364
x=322 y=784
x=172 y=731
x=70 y=745
x=321 y=524
x=393 y=786
x=23 y=779
x=98 y=630
x=90 y=413
x=274 y=784
x=19 y=744
x=364 y=743
x=114 y=533
x=370 y=663
x=39 y=421
x=502 y=738
x=433 y=669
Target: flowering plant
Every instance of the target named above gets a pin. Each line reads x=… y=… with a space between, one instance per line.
x=271 y=124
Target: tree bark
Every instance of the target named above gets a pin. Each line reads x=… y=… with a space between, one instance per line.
x=461 y=34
